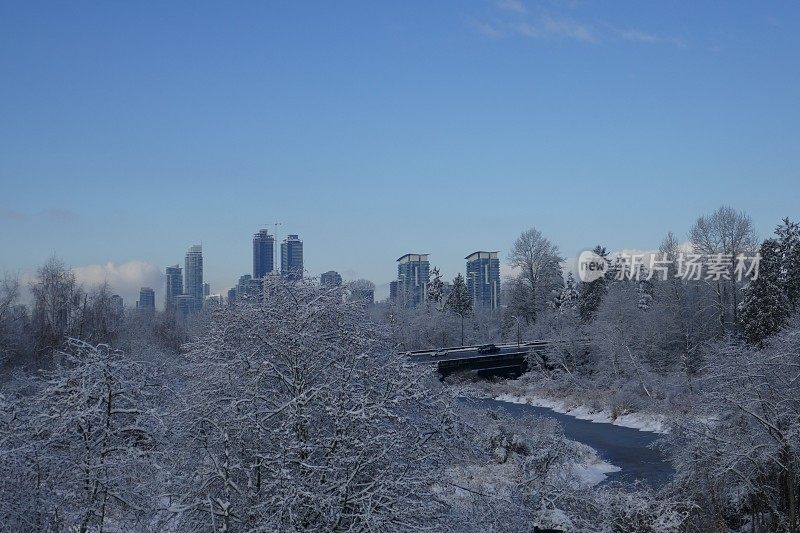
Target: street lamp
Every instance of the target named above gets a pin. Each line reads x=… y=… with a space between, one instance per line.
x=519 y=336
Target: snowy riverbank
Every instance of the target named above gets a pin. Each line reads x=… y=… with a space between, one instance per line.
x=641 y=421
x=591 y=469
x=637 y=454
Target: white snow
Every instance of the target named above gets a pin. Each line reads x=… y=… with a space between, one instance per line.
x=590 y=468
x=641 y=421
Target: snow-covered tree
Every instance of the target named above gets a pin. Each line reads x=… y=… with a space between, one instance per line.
x=302 y=418
x=730 y=233
x=540 y=280
x=435 y=289
x=459 y=301
x=100 y=323
x=788 y=236
x=57 y=301
x=568 y=299
x=736 y=455
x=765 y=307
x=81 y=452
x=14 y=320
x=591 y=293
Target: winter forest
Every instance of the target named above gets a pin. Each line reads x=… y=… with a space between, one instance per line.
x=297 y=409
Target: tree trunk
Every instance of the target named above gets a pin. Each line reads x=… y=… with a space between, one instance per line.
x=791 y=498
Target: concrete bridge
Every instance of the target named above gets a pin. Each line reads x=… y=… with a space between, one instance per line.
x=506 y=359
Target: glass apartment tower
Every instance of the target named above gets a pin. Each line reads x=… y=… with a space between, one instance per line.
x=174 y=286
x=193 y=273
x=292 y=258
x=483 y=279
x=147 y=300
x=413 y=274
x=263 y=254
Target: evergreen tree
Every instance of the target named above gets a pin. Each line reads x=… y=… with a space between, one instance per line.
x=765 y=306
x=591 y=293
x=568 y=299
x=459 y=300
x=644 y=290
x=789 y=243
x=435 y=291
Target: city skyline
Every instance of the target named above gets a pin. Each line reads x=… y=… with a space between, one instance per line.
x=159 y=281
x=611 y=125
x=253 y=255
x=291 y=254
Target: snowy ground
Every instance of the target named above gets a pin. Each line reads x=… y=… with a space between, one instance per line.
x=640 y=421
x=587 y=469
x=591 y=469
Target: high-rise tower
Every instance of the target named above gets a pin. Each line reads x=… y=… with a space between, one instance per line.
x=174 y=286
x=292 y=258
x=413 y=274
x=147 y=300
x=483 y=279
x=263 y=254
x=193 y=285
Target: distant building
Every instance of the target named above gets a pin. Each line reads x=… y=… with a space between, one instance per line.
x=330 y=278
x=413 y=274
x=248 y=287
x=483 y=279
x=174 y=286
x=362 y=290
x=232 y=294
x=213 y=300
x=117 y=305
x=263 y=254
x=193 y=275
x=147 y=300
x=206 y=290
x=292 y=258
x=394 y=291
x=185 y=304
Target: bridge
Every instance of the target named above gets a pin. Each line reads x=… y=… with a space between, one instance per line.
x=486 y=358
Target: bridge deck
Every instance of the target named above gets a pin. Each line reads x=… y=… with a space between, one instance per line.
x=466 y=353
x=487 y=357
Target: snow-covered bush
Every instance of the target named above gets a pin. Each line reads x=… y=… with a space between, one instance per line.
x=737 y=454
x=301 y=417
x=77 y=450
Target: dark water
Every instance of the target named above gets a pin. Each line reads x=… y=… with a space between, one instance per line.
x=627 y=448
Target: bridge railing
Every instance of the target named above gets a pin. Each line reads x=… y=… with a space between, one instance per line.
x=502 y=346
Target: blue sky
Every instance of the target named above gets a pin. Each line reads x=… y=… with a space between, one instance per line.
x=132 y=130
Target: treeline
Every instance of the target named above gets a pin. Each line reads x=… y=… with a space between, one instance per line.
x=717 y=357
x=291 y=412
x=294 y=412
x=61 y=309
x=669 y=318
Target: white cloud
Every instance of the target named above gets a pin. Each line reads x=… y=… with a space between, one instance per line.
x=486 y=29
x=547 y=27
x=125 y=279
x=649 y=38
x=515 y=6
x=508 y=271
x=513 y=17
